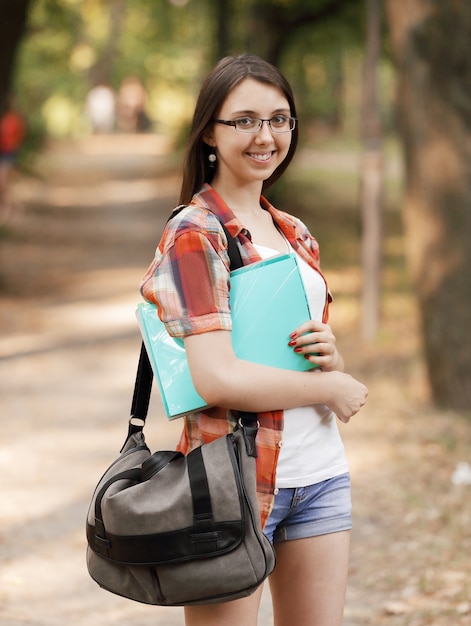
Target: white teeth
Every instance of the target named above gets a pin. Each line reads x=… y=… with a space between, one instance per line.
x=261 y=157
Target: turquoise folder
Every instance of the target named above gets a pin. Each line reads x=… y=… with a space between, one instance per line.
x=267 y=301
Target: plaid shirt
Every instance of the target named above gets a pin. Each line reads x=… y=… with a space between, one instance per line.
x=189 y=282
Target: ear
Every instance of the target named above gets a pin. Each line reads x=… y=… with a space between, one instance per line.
x=208 y=137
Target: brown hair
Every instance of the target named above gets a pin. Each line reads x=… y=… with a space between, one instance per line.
x=228 y=73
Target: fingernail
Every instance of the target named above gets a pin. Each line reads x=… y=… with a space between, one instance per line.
x=293 y=335
x=292 y=343
x=298 y=349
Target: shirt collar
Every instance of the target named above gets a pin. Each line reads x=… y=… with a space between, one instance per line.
x=208 y=198
x=281 y=219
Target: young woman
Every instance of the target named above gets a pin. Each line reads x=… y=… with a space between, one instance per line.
x=243 y=136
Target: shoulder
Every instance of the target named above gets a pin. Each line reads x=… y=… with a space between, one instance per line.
x=193 y=217
x=295 y=222
x=193 y=221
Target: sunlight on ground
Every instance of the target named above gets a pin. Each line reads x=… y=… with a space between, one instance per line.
x=98 y=195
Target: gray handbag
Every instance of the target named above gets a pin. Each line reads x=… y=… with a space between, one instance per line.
x=174 y=530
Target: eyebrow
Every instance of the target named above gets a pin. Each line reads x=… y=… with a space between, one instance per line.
x=254 y=113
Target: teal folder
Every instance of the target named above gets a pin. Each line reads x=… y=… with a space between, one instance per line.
x=267 y=301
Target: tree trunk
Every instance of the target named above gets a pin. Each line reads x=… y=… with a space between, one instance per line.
x=101 y=71
x=12 y=25
x=371 y=176
x=223 y=15
x=271 y=25
x=430 y=41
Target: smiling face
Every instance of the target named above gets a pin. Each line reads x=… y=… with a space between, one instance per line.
x=247 y=159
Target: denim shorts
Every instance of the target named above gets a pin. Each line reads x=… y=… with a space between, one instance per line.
x=319 y=509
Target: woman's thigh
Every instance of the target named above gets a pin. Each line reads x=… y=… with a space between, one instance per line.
x=309 y=582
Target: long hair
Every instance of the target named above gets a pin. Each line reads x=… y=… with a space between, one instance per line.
x=228 y=73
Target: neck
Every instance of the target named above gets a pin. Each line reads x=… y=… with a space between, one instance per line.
x=241 y=200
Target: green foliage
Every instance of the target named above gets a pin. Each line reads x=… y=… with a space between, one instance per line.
x=69 y=41
x=317 y=60
x=169 y=45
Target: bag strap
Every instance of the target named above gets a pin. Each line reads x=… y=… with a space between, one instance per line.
x=145 y=375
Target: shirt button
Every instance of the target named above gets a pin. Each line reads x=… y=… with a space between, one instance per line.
x=276 y=491
x=280 y=443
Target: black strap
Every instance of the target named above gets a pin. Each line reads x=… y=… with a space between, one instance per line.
x=143 y=386
x=144 y=376
x=202 y=509
x=233 y=250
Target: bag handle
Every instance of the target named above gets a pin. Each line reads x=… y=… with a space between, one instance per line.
x=145 y=375
x=141 y=395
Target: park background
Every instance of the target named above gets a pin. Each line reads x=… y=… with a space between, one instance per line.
x=381 y=178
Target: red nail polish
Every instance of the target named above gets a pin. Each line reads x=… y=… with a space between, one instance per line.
x=298 y=349
x=292 y=343
x=293 y=335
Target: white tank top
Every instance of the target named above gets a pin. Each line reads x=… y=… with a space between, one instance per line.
x=312 y=450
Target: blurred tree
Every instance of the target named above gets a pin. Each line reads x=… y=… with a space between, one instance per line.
x=70 y=46
x=371 y=174
x=308 y=40
x=273 y=24
x=169 y=45
x=45 y=72
x=223 y=19
x=12 y=25
x=430 y=41
x=101 y=70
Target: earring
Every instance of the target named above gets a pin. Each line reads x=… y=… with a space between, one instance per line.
x=212 y=159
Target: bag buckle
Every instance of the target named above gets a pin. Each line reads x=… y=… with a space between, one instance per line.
x=249 y=432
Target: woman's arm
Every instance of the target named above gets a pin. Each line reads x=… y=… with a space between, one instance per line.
x=224 y=380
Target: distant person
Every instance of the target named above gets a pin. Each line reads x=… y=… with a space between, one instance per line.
x=132 y=104
x=12 y=135
x=101 y=109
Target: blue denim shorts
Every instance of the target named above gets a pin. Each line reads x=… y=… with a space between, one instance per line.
x=319 y=509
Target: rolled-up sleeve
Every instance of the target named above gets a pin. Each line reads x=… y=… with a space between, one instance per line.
x=190 y=285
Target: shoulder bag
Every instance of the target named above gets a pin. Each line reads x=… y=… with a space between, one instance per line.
x=173 y=530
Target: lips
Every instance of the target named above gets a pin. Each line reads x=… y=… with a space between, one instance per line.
x=261 y=156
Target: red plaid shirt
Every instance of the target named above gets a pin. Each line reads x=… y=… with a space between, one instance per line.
x=189 y=282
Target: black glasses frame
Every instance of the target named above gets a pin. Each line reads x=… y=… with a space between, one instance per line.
x=233 y=123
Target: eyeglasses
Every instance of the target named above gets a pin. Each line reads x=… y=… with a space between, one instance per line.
x=277 y=124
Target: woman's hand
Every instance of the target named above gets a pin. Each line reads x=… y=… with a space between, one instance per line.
x=317 y=343
x=345 y=394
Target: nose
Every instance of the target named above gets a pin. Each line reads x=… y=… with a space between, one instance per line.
x=265 y=133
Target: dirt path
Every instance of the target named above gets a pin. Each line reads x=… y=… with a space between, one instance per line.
x=70 y=264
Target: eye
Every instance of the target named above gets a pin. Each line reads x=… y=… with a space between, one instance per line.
x=246 y=122
x=279 y=120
